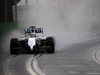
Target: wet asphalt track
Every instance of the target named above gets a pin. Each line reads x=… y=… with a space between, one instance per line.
x=76 y=59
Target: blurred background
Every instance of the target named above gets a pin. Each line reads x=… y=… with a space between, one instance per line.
x=69 y=21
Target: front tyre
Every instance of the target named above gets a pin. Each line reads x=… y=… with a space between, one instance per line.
x=50 y=43
x=14 y=46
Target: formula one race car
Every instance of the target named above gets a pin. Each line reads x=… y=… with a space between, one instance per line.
x=31 y=42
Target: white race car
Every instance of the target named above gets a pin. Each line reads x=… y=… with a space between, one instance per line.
x=32 y=42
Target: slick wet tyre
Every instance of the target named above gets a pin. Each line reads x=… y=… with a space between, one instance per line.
x=50 y=43
x=14 y=46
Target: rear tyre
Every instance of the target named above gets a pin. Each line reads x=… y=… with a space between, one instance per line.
x=50 y=42
x=14 y=46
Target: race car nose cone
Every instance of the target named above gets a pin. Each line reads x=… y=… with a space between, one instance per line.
x=31 y=42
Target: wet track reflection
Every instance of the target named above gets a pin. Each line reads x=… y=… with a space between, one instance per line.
x=24 y=64
x=77 y=59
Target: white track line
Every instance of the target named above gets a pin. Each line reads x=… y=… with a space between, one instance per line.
x=96 y=55
x=6 y=65
x=36 y=67
x=34 y=63
x=28 y=66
